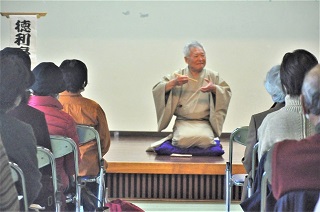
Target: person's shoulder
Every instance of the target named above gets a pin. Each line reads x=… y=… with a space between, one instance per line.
x=15 y=127
x=263 y=114
x=34 y=111
x=65 y=116
x=274 y=115
x=80 y=101
x=15 y=123
x=90 y=101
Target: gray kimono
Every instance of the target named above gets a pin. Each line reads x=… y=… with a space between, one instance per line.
x=199 y=116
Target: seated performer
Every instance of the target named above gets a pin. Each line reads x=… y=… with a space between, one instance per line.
x=198 y=97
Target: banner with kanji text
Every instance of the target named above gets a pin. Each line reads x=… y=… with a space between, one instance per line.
x=23 y=34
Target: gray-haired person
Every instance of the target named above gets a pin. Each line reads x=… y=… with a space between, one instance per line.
x=198 y=97
x=273 y=86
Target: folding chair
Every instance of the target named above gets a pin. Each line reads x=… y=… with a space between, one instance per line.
x=86 y=134
x=239 y=135
x=62 y=146
x=45 y=157
x=18 y=176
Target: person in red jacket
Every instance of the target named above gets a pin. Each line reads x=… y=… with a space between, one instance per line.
x=46 y=88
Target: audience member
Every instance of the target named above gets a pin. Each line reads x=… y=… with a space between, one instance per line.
x=28 y=114
x=293 y=165
x=273 y=86
x=48 y=84
x=37 y=120
x=198 y=97
x=85 y=112
x=288 y=122
x=8 y=192
x=18 y=137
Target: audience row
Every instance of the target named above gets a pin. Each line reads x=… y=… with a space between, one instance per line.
x=288 y=146
x=31 y=111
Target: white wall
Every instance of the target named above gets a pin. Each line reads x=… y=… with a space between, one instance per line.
x=127 y=54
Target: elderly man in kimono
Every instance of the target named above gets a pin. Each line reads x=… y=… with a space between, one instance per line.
x=198 y=97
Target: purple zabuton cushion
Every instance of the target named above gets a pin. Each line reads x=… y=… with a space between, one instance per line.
x=167 y=149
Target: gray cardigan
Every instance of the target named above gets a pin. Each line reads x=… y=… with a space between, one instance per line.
x=287 y=123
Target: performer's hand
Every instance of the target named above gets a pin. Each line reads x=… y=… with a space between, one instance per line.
x=210 y=87
x=181 y=79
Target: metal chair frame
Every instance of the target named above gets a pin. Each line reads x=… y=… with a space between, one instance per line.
x=239 y=135
x=87 y=134
x=62 y=146
x=18 y=176
x=264 y=185
x=252 y=175
x=45 y=157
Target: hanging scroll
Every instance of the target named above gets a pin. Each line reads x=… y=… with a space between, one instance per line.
x=23 y=34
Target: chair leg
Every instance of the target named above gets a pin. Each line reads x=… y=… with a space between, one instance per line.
x=58 y=201
x=249 y=187
x=228 y=187
x=77 y=198
x=101 y=189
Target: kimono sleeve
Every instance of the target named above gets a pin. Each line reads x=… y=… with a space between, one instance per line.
x=165 y=103
x=219 y=103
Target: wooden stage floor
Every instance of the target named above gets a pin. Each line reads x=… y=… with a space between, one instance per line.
x=128 y=155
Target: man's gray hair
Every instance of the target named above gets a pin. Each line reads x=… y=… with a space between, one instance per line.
x=189 y=46
x=311 y=90
x=273 y=84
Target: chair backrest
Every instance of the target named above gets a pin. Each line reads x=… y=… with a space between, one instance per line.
x=45 y=157
x=88 y=133
x=18 y=176
x=62 y=146
x=240 y=136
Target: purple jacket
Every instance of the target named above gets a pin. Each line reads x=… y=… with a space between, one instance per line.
x=59 y=123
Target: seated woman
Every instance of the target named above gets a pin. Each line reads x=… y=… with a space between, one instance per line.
x=48 y=84
x=18 y=137
x=84 y=111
